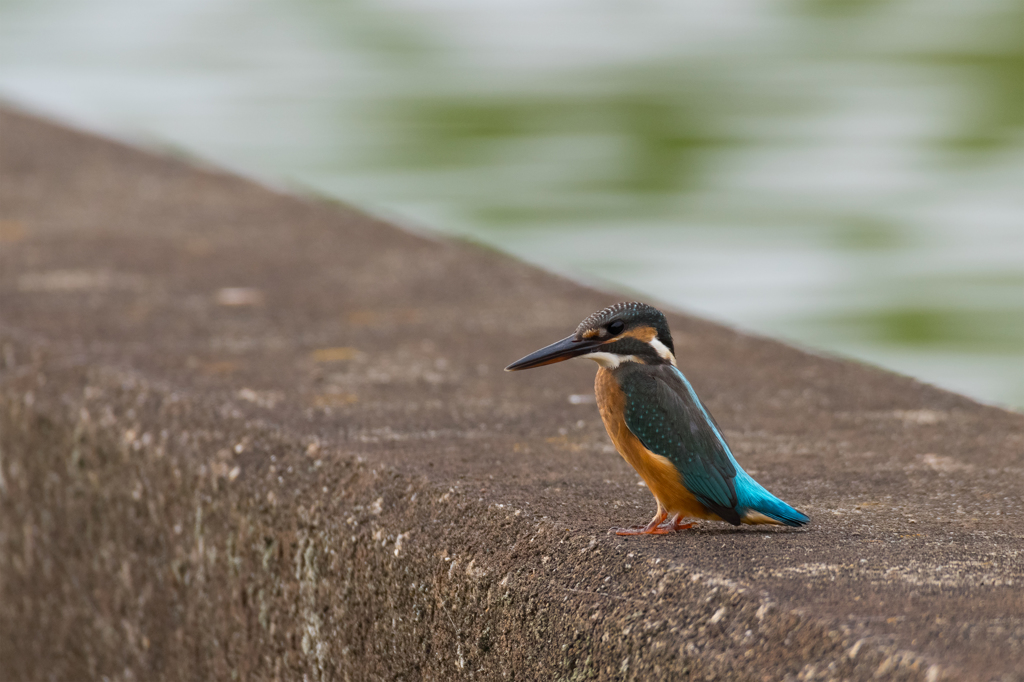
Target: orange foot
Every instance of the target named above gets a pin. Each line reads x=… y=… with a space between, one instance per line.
x=652 y=528
x=676 y=523
x=657 y=526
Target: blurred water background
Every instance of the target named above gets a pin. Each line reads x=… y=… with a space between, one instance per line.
x=844 y=174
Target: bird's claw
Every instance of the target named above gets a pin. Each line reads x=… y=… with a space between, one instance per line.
x=641 y=530
x=676 y=523
x=657 y=526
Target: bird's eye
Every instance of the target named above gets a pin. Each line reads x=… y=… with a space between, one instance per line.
x=616 y=327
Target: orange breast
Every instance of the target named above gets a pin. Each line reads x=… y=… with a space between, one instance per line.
x=658 y=472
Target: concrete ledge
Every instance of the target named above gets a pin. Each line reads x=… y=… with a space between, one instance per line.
x=249 y=436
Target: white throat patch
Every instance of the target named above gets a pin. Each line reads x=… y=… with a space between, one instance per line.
x=610 y=360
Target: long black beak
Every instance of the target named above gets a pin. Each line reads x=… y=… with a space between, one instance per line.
x=569 y=347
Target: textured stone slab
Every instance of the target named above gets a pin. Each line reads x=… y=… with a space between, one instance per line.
x=252 y=436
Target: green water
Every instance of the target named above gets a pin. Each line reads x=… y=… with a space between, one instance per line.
x=846 y=175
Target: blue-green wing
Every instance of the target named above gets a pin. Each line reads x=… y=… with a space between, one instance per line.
x=663 y=411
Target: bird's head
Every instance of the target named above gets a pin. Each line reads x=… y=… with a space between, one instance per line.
x=624 y=332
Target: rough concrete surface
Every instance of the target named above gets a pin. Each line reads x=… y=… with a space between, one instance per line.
x=250 y=436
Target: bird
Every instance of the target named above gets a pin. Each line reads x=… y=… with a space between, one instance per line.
x=659 y=425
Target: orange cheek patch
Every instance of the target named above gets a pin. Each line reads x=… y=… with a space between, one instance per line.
x=590 y=333
x=645 y=334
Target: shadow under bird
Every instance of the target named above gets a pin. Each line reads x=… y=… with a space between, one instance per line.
x=660 y=426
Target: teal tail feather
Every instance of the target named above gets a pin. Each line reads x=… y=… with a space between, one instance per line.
x=752 y=497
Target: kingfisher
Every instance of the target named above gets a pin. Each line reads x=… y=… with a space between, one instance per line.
x=660 y=426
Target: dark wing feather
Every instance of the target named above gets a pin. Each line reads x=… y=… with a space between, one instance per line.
x=665 y=415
